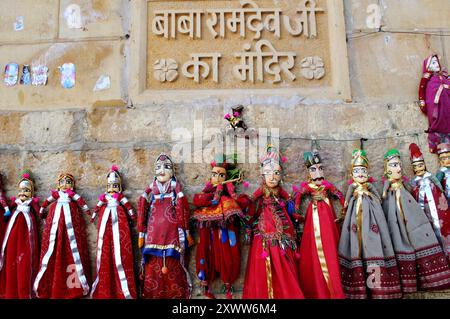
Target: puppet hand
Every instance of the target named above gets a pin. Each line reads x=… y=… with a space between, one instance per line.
x=42 y=213
x=141 y=240
x=190 y=240
x=7 y=213
x=340 y=219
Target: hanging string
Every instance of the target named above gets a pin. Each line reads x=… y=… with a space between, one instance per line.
x=354 y=139
x=418 y=140
x=315 y=145
x=361 y=34
x=361 y=142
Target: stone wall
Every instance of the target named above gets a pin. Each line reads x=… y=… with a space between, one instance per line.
x=50 y=129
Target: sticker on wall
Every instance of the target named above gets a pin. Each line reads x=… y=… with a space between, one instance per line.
x=72 y=14
x=11 y=74
x=103 y=83
x=67 y=75
x=39 y=75
x=25 y=78
x=18 y=24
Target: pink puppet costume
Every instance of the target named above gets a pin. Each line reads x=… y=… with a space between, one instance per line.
x=19 y=254
x=272 y=271
x=434 y=100
x=163 y=224
x=115 y=271
x=64 y=270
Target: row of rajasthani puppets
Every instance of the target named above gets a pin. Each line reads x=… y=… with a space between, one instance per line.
x=378 y=247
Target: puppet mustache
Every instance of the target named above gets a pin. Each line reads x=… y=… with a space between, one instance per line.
x=318 y=179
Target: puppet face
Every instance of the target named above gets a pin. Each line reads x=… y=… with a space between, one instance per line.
x=272 y=174
x=434 y=65
x=218 y=175
x=444 y=159
x=419 y=168
x=394 y=169
x=113 y=188
x=316 y=174
x=114 y=183
x=65 y=183
x=25 y=191
x=164 y=170
x=360 y=174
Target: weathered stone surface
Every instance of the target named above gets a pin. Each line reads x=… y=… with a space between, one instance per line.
x=10 y=128
x=98 y=19
x=389 y=66
x=40 y=21
x=414 y=14
x=50 y=129
x=39 y=128
x=422 y=14
x=91 y=60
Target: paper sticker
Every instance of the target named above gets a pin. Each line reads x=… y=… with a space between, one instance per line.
x=11 y=74
x=103 y=83
x=18 y=24
x=72 y=14
x=67 y=75
x=25 y=78
x=39 y=75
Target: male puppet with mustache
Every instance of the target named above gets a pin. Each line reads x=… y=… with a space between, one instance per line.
x=319 y=265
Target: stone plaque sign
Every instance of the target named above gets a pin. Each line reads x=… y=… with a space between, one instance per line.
x=294 y=46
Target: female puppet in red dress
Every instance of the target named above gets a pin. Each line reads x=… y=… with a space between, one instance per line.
x=320 y=276
x=115 y=272
x=19 y=255
x=163 y=224
x=217 y=217
x=64 y=271
x=272 y=271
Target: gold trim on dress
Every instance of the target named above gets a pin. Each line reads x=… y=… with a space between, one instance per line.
x=396 y=186
x=268 y=274
x=361 y=189
x=319 y=246
x=318 y=196
x=164 y=247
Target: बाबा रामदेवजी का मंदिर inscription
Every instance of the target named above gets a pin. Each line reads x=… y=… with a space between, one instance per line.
x=244 y=44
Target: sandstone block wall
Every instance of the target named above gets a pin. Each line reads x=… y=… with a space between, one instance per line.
x=50 y=129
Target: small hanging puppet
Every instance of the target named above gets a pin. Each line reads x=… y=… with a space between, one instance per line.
x=19 y=255
x=443 y=175
x=163 y=225
x=421 y=261
x=235 y=119
x=217 y=217
x=365 y=247
x=434 y=101
x=320 y=277
x=64 y=270
x=115 y=268
x=5 y=212
x=428 y=192
x=272 y=270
